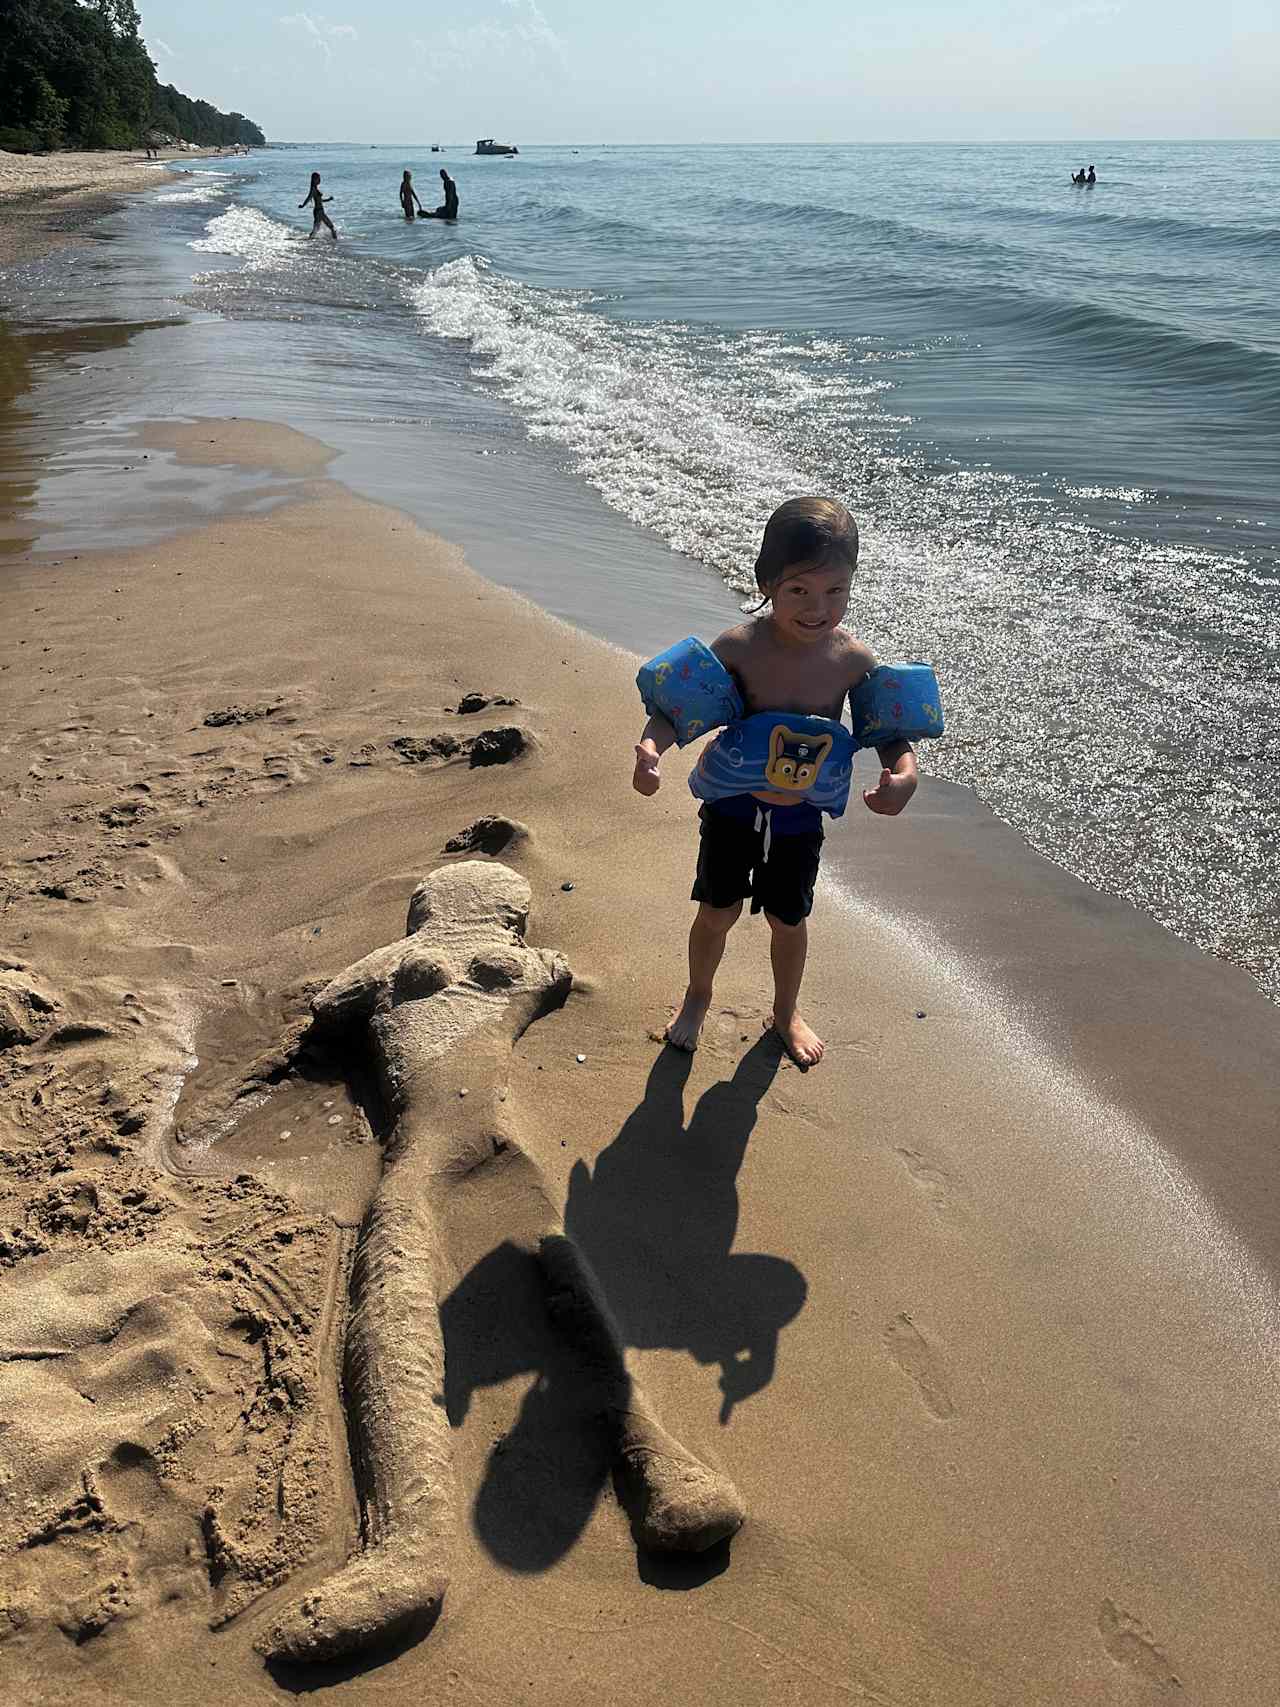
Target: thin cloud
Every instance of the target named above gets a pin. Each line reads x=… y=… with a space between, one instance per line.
x=520 y=33
x=321 y=32
x=164 y=48
x=531 y=27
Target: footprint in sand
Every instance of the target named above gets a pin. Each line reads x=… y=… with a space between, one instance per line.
x=723 y=1033
x=930 y=1178
x=1131 y=1644
x=914 y=1355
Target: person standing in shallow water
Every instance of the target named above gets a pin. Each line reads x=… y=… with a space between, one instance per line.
x=317 y=201
x=409 y=196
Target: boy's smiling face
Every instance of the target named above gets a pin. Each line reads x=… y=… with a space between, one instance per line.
x=810 y=600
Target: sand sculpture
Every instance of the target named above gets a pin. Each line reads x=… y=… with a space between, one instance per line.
x=440 y=1011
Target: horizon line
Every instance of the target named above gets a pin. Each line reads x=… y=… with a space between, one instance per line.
x=767 y=142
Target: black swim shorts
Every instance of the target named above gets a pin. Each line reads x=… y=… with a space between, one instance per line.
x=769 y=854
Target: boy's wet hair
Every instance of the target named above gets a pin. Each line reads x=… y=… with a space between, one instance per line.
x=813 y=531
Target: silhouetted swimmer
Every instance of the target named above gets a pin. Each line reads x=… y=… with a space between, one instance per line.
x=408 y=196
x=1092 y=178
x=1078 y=177
x=450 y=208
x=320 y=217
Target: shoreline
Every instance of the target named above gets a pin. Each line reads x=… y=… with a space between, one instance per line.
x=49 y=200
x=1025 y=1354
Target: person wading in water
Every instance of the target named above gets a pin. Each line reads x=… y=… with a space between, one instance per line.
x=320 y=217
x=408 y=196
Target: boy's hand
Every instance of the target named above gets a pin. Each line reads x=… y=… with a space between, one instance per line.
x=890 y=795
x=645 y=778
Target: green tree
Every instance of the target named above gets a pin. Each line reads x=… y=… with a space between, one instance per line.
x=77 y=73
x=120 y=16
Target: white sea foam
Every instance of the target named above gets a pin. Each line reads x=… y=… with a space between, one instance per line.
x=676 y=426
x=202 y=193
x=245 y=232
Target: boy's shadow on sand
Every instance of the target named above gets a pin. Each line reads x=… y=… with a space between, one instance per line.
x=655 y=1222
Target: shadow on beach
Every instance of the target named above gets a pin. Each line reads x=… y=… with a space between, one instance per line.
x=655 y=1223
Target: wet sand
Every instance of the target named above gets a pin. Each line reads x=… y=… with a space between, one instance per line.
x=468 y=1297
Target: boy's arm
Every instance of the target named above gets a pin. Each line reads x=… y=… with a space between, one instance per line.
x=658 y=735
x=898 y=773
x=729 y=647
x=898 y=779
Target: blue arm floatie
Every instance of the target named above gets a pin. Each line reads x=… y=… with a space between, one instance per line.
x=691 y=688
x=782 y=751
x=896 y=702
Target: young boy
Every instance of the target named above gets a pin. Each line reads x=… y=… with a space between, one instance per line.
x=793 y=658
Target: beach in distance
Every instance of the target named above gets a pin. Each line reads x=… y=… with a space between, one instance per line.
x=388 y=1310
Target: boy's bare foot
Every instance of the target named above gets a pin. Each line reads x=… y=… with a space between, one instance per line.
x=799 y=1040
x=686 y=1028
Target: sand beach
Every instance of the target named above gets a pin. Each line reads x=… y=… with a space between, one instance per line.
x=390 y=1313
x=47 y=200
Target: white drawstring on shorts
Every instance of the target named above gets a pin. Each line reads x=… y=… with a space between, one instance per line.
x=764 y=818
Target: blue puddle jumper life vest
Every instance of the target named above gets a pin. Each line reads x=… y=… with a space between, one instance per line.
x=783 y=751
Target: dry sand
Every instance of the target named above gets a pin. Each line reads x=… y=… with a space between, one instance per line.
x=404 y=1326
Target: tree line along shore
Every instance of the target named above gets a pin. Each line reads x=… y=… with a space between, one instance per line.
x=77 y=74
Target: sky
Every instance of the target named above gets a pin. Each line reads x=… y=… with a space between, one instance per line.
x=686 y=71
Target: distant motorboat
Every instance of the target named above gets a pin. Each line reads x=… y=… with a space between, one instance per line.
x=488 y=146
x=435 y=148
